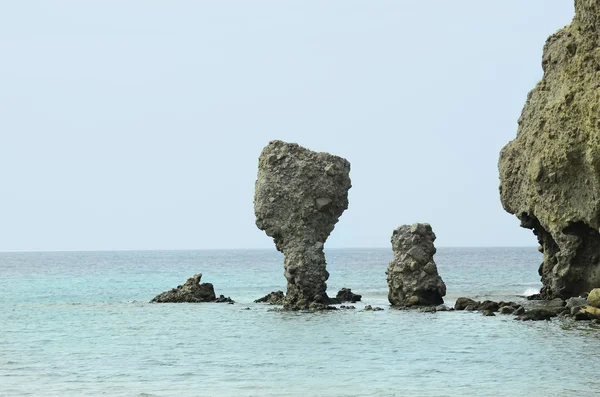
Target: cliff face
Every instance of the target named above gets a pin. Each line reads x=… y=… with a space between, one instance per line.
x=550 y=174
x=299 y=197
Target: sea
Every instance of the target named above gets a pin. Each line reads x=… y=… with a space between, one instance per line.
x=80 y=324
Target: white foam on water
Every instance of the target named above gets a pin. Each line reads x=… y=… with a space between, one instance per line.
x=531 y=291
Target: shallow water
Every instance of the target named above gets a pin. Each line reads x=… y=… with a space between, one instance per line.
x=77 y=324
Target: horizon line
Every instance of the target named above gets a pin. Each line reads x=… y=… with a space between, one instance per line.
x=240 y=249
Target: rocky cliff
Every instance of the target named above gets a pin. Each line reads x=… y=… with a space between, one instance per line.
x=550 y=174
x=299 y=197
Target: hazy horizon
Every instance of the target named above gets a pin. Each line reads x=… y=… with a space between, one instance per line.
x=138 y=125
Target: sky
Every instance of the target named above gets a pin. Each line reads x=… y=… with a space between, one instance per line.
x=138 y=124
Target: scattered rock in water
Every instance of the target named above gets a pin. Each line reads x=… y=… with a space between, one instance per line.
x=370 y=308
x=506 y=310
x=428 y=309
x=519 y=310
x=488 y=313
x=536 y=315
x=190 y=292
x=488 y=305
x=593 y=298
x=575 y=304
x=346 y=295
x=462 y=303
x=299 y=197
x=550 y=173
x=587 y=313
x=511 y=304
x=273 y=298
x=412 y=275
x=347 y=307
x=223 y=299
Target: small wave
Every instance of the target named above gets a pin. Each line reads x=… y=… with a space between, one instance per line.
x=531 y=291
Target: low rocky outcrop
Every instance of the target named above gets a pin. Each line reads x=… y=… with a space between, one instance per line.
x=191 y=292
x=550 y=174
x=346 y=295
x=412 y=275
x=371 y=308
x=537 y=315
x=299 y=197
x=224 y=299
x=273 y=298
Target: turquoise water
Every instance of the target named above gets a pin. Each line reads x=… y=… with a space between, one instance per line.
x=77 y=324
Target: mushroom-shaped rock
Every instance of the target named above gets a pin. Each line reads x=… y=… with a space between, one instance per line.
x=190 y=292
x=299 y=197
x=550 y=173
x=412 y=275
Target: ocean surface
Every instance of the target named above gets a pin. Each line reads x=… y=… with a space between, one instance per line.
x=79 y=324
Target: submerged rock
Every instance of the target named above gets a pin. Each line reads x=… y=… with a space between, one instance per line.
x=550 y=174
x=346 y=295
x=412 y=275
x=273 y=298
x=190 y=292
x=299 y=197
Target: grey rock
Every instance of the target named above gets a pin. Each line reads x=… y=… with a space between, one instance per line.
x=346 y=295
x=224 y=299
x=488 y=305
x=550 y=173
x=412 y=275
x=536 y=315
x=519 y=310
x=488 y=313
x=273 y=298
x=470 y=308
x=190 y=292
x=574 y=304
x=462 y=303
x=507 y=310
x=299 y=197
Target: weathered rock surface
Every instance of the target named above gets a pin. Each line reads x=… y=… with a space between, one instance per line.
x=462 y=303
x=190 y=292
x=593 y=298
x=299 y=197
x=273 y=298
x=550 y=174
x=346 y=295
x=412 y=275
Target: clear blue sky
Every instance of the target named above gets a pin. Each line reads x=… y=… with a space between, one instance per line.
x=138 y=124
